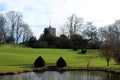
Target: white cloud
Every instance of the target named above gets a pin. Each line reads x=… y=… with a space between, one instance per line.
x=38 y=13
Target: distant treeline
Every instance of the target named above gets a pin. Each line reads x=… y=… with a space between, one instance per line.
x=49 y=41
x=74 y=33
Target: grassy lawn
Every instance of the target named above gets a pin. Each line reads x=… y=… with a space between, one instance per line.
x=15 y=58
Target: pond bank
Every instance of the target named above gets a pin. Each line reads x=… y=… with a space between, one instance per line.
x=54 y=68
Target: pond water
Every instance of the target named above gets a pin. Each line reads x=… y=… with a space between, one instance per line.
x=67 y=75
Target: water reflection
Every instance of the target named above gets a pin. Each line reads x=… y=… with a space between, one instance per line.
x=68 y=75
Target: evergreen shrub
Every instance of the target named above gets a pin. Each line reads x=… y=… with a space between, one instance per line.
x=61 y=62
x=39 y=62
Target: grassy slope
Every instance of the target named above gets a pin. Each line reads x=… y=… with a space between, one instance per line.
x=18 y=56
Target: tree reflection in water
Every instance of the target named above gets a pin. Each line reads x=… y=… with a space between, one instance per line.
x=67 y=75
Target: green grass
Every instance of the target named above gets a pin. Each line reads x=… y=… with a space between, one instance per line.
x=16 y=58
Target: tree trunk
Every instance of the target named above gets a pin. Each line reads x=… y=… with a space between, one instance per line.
x=107 y=63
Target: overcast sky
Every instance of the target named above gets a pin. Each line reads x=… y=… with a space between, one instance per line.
x=38 y=13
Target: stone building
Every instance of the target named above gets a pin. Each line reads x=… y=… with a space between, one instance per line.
x=51 y=30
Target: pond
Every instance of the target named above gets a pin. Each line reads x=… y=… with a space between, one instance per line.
x=67 y=75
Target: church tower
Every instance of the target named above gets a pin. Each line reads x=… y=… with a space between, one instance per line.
x=51 y=30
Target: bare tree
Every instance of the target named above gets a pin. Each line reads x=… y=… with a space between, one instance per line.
x=111 y=34
x=1 y=35
x=106 y=50
x=2 y=27
x=63 y=30
x=115 y=29
x=27 y=32
x=102 y=32
x=18 y=29
x=105 y=34
x=91 y=33
x=12 y=20
x=73 y=24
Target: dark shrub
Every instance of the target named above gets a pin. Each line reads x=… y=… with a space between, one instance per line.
x=83 y=51
x=61 y=62
x=39 y=62
x=75 y=48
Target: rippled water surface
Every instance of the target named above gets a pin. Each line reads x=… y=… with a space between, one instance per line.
x=67 y=75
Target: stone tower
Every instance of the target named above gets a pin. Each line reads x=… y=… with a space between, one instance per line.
x=51 y=30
